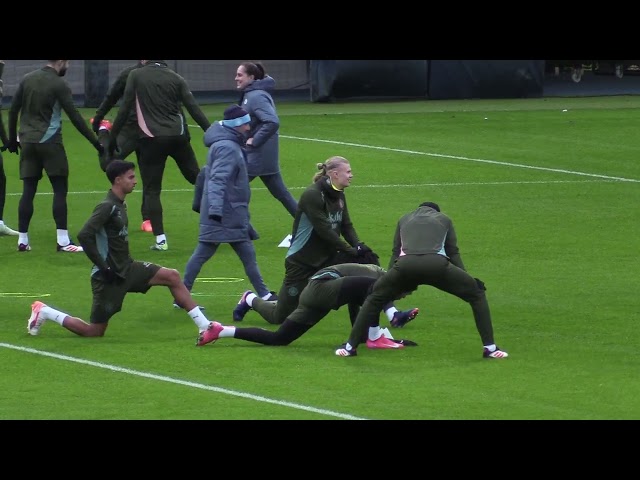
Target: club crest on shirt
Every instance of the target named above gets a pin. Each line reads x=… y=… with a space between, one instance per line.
x=341 y=203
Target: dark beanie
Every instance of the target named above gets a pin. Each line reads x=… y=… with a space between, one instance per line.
x=234 y=111
x=431 y=204
x=234 y=116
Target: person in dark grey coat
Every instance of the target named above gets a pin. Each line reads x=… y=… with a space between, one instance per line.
x=262 y=140
x=222 y=197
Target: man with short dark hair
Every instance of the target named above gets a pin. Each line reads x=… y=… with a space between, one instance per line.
x=157 y=94
x=105 y=239
x=41 y=97
x=425 y=252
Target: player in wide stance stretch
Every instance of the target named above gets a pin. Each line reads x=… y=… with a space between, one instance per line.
x=425 y=252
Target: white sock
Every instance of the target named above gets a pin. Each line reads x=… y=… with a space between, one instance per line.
x=250 y=299
x=1 y=223
x=199 y=319
x=264 y=297
x=63 y=237
x=161 y=238
x=348 y=347
x=52 y=314
x=390 y=311
x=227 y=332
x=491 y=348
x=23 y=238
x=374 y=333
x=386 y=333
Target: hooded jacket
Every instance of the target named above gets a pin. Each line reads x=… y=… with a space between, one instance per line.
x=225 y=188
x=263 y=155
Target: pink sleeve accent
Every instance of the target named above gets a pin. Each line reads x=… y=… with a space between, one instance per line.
x=141 y=123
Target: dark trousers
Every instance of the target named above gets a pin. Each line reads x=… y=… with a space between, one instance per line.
x=296 y=278
x=277 y=188
x=127 y=144
x=245 y=251
x=153 y=158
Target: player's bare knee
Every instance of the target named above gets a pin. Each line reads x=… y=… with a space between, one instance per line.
x=168 y=276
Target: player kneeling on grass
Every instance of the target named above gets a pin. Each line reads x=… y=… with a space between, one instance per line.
x=105 y=239
x=329 y=289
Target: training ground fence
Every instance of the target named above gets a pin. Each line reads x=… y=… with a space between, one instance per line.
x=213 y=81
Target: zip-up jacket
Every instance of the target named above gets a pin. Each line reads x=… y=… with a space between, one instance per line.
x=424 y=231
x=157 y=94
x=41 y=97
x=322 y=226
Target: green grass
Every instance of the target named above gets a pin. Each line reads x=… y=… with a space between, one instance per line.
x=545 y=207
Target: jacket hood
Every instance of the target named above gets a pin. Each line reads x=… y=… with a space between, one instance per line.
x=217 y=132
x=267 y=83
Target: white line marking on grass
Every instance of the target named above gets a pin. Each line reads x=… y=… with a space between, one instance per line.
x=455 y=157
x=405 y=185
x=183 y=382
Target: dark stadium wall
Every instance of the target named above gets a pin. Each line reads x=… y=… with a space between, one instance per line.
x=96 y=81
x=434 y=79
x=341 y=79
x=471 y=79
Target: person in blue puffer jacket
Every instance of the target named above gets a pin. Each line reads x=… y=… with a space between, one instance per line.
x=222 y=196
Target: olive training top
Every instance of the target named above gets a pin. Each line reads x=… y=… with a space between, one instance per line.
x=105 y=236
x=115 y=93
x=156 y=93
x=41 y=97
x=321 y=226
x=423 y=231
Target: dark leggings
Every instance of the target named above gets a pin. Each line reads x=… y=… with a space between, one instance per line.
x=152 y=161
x=277 y=189
x=287 y=333
x=60 y=187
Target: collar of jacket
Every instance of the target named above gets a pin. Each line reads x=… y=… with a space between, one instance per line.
x=156 y=63
x=328 y=189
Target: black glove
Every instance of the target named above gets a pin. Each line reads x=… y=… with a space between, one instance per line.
x=216 y=218
x=98 y=146
x=96 y=123
x=13 y=146
x=108 y=275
